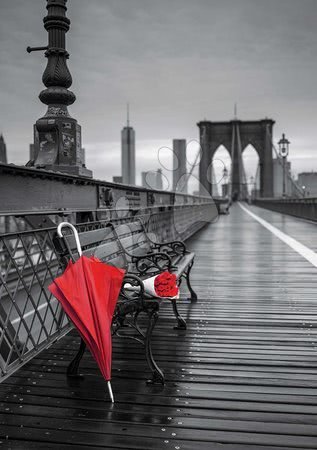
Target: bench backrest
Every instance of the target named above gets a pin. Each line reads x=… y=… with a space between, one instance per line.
x=101 y=243
x=112 y=243
x=133 y=238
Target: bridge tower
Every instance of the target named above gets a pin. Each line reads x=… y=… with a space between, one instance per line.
x=235 y=136
x=57 y=136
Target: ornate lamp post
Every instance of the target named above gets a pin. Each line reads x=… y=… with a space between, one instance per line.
x=225 y=174
x=252 y=187
x=225 y=184
x=283 y=152
x=57 y=136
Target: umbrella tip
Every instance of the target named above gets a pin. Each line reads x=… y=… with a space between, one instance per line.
x=110 y=391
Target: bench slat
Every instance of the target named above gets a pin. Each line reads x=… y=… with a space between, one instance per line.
x=129 y=228
x=111 y=253
x=183 y=262
x=88 y=238
x=136 y=243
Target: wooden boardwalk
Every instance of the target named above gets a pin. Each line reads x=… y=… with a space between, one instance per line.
x=242 y=377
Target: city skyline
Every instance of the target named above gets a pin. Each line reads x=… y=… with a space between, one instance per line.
x=185 y=70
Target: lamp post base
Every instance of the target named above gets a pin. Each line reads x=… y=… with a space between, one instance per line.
x=71 y=170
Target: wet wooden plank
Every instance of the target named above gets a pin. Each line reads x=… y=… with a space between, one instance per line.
x=242 y=377
x=89 y=431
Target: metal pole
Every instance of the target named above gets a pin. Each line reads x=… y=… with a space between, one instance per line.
x=284 y=166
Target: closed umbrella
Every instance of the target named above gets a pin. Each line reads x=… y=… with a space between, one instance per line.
x=88 y=291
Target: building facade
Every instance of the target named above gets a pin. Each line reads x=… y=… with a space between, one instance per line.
x=278 y=178
x=117 y=179
x=150 y=179
x=179 y=165
x=308 y=182
x=159 y=179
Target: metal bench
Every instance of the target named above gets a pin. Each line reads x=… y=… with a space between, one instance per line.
x=146 y=256
x=128 y=246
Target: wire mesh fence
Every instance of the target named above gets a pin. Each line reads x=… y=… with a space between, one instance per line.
x=29 y=317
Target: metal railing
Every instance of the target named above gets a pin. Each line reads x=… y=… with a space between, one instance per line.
x=29 y=317
x=305 y=208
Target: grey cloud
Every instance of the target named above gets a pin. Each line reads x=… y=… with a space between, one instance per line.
x=176 y=61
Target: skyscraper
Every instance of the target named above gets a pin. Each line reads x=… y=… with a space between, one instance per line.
x=179 y=165
x=149 y=179
x=152 y=179
x=159 y=179
x=128 y=153
x=3 y=150
x=143 y=179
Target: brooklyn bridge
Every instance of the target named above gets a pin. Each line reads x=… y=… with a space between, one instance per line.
x=238 y=350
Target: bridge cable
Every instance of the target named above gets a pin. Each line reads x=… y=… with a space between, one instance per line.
x=245 y=192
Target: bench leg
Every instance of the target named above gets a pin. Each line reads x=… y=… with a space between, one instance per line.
x=193 y=295
x=181 y=323
x=72 y=369
x=157 y=374
x=136 y=325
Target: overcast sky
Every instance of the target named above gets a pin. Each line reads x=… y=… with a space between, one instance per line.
x=176 y=62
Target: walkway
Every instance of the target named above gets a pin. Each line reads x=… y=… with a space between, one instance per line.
x=242 y=377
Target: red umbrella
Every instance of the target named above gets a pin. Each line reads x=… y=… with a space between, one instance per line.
x=88 y=291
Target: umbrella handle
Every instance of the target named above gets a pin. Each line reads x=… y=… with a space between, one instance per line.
x=69 y=225
x=110 y=391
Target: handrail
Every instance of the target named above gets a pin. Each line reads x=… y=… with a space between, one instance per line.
x=305 y=208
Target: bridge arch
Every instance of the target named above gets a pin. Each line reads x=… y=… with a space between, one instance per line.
x=221 y=160
x=236 y=135
x=251 y=159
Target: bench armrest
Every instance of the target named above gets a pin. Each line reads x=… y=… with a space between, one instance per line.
x=173 y=247
x=156 y=260
x=131 y=287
